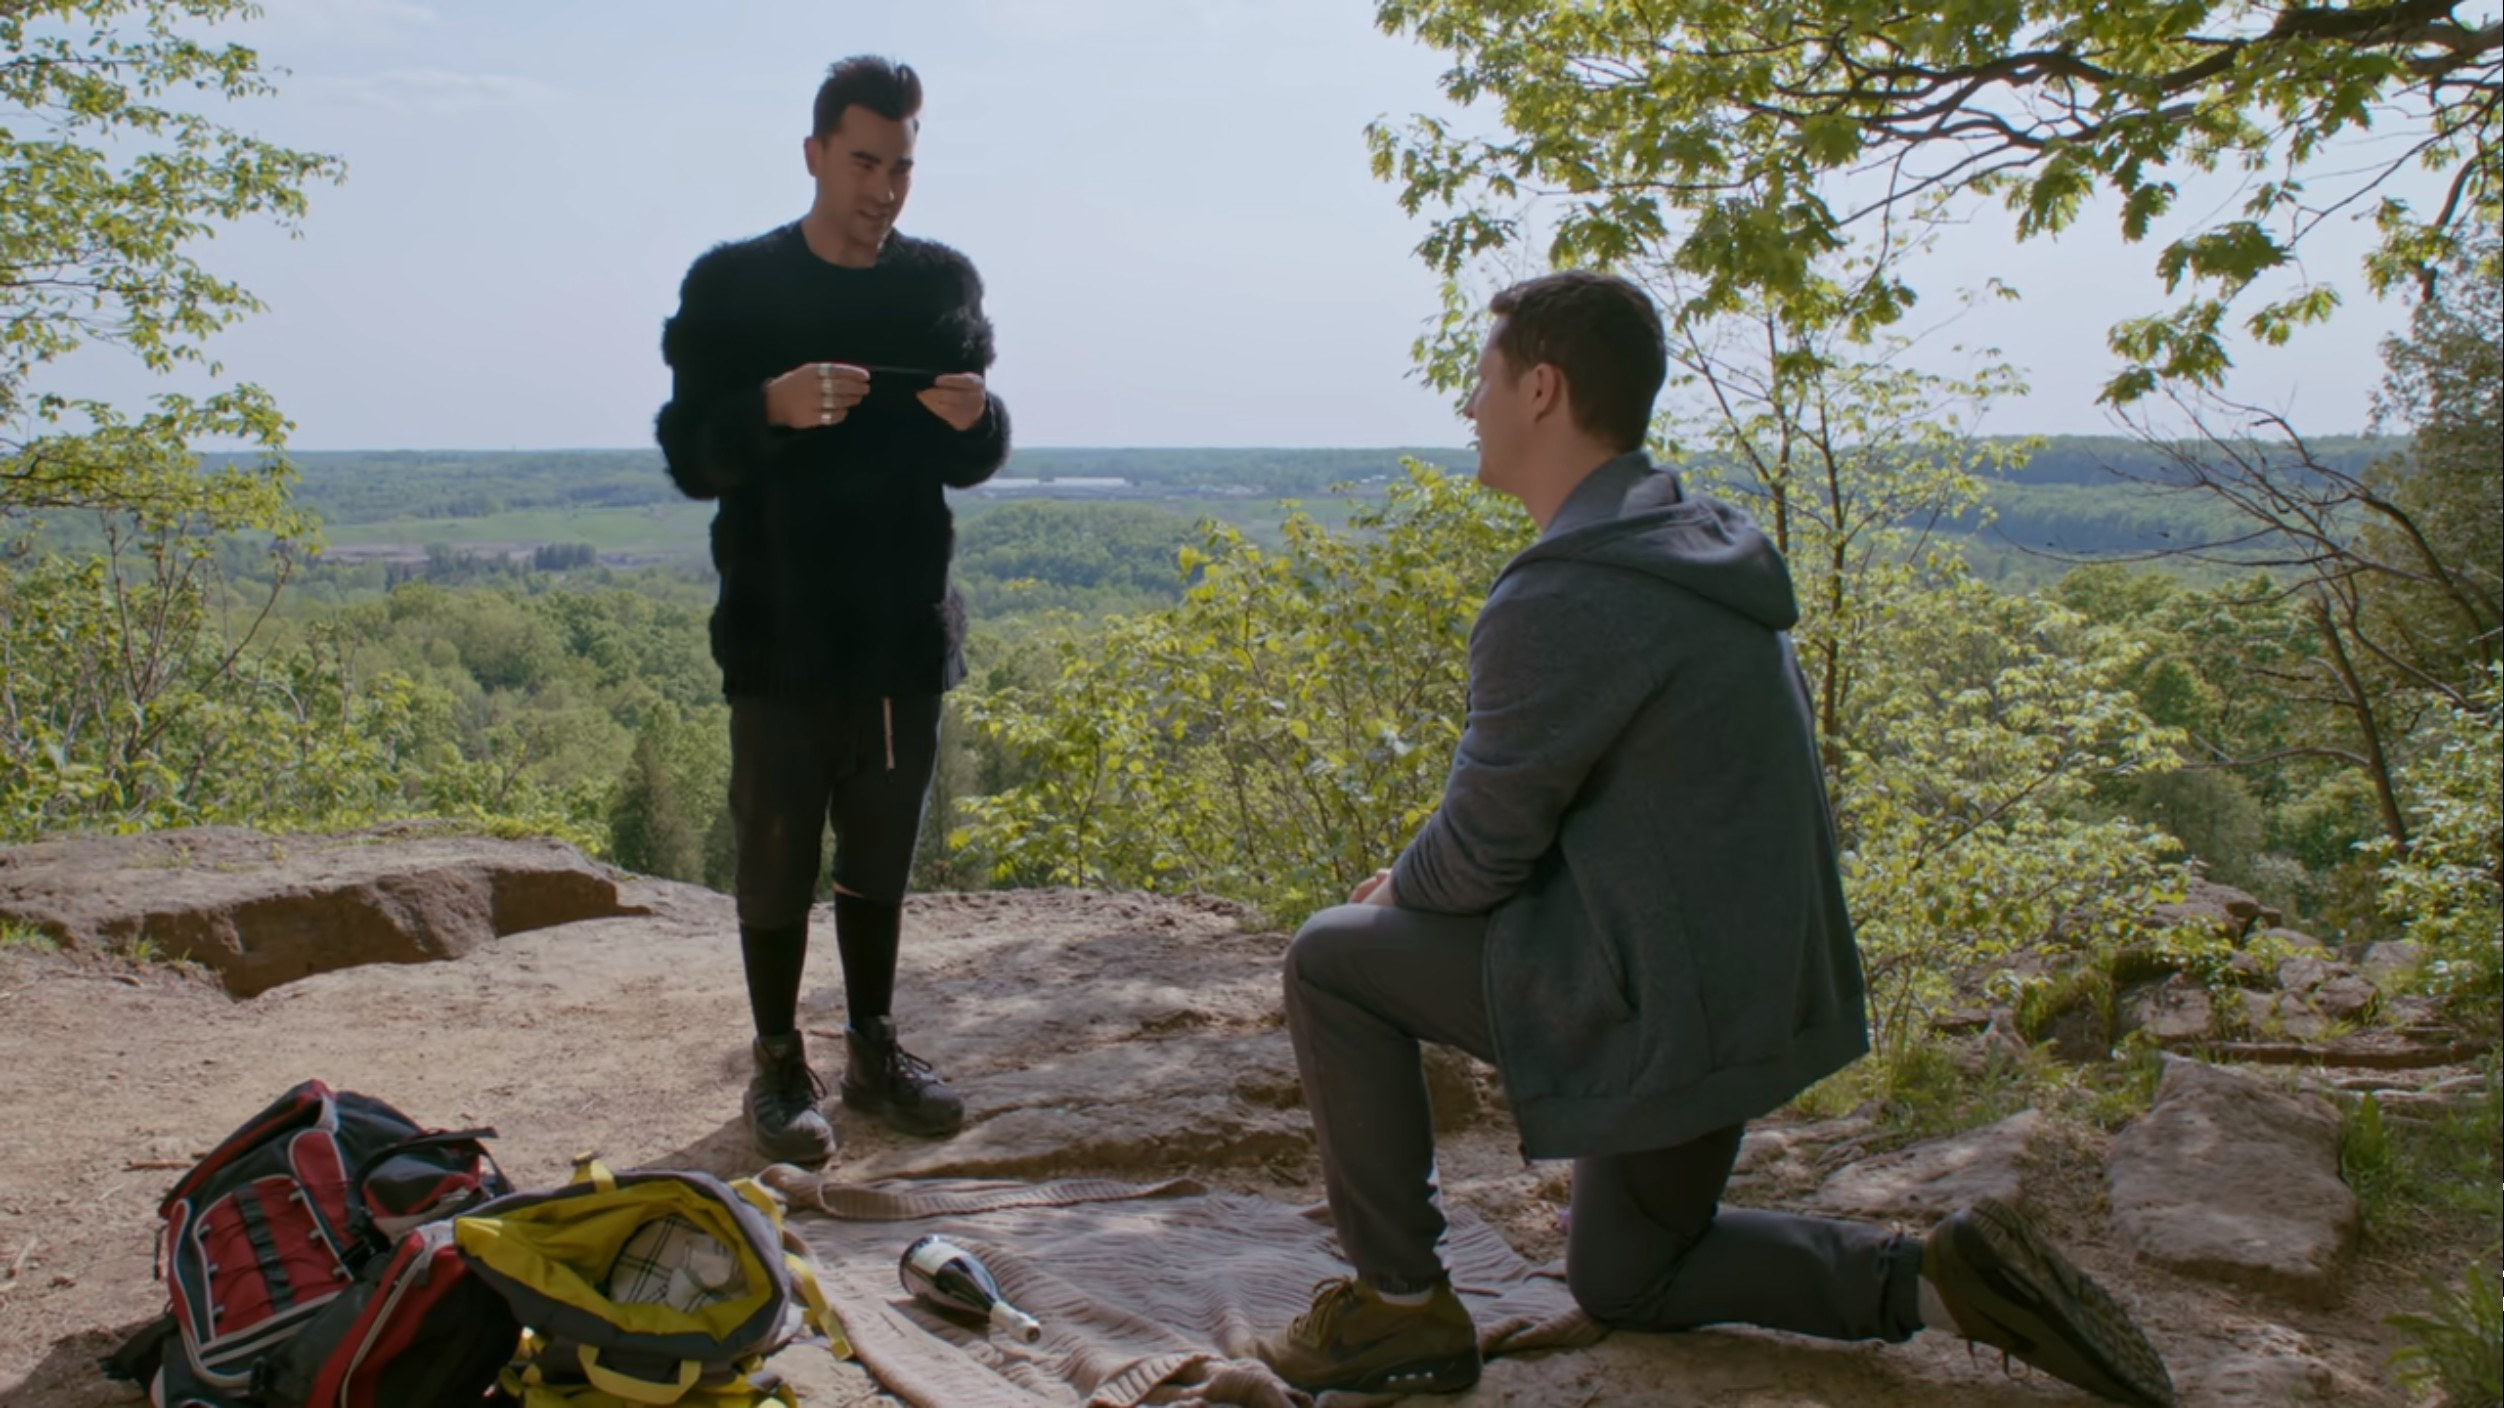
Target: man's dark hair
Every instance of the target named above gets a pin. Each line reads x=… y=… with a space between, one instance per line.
x=887 y=88
x=1603 y=333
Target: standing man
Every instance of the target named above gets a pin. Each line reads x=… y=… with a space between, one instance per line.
x=1629 y=903
x=826 y=388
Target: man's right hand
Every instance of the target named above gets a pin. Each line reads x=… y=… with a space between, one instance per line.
x=814 y=395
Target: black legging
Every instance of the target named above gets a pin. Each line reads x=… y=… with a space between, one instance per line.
x=861 y=763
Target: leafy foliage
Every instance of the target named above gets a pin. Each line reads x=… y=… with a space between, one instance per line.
x=1964 y=791
x=2456 y=1347
x=123 y=710
x=1282 y=730
x=1277 y=733
x=108 y=181
x=1746 y=144
x=2447 y=886
x=1966 y=731
x=1087 y=557
x=134 y=697
x=666 y=816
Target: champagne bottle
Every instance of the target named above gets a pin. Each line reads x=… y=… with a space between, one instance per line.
x=941 y=1274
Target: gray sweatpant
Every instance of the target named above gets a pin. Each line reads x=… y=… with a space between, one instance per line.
x=1650 y=1246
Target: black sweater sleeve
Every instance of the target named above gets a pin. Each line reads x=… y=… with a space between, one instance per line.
x=713 y=431
x=965 y=458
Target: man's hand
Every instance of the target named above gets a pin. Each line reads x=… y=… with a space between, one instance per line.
x=815 y=395
x=1373 y=889
x=956 y=398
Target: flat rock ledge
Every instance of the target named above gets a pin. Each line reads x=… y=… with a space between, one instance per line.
x=260 y=910
x=1929 y=1180
x=2228 y=1179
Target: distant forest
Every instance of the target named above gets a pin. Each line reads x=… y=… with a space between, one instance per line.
x=2076 y=496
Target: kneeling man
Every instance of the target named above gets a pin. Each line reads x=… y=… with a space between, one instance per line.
x=1628 y=902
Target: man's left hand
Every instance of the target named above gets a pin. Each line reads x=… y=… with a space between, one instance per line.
x=1373 y=889
x=956 y=398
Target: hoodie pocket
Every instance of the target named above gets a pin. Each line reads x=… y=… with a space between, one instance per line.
x=1594 y=936
x=1608 y=965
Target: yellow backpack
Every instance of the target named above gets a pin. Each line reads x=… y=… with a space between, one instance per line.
x=648 y=1287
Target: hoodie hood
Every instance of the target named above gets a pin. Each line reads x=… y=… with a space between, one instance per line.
x=1637 y=518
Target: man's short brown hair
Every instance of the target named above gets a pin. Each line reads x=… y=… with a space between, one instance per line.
x=1603 y=333
x=887 y=88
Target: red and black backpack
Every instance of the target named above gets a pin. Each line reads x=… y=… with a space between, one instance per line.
x=305 y=1236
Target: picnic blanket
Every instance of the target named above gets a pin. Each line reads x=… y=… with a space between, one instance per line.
x=1148 y=1293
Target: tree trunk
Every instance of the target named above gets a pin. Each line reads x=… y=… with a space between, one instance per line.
x=2368 y=724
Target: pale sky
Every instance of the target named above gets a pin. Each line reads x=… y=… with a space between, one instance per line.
x=1169 y=201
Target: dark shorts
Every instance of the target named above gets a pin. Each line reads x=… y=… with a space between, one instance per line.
x=860 y=763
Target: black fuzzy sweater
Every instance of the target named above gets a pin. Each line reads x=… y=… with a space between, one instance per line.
x=833 y=544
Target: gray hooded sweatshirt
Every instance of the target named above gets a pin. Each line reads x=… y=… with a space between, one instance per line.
x=1638 y=807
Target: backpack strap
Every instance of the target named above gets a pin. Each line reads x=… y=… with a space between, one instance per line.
x=140 y=1356
x=821 y=1312
x=589 y=1169
x=803 y=1270
x=429 y=1140
x=762 y=1198
x=635 y=1389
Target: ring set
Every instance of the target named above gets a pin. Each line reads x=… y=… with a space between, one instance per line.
x=827 y=410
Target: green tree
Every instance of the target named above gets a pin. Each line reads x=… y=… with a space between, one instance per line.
x=1966 y=731
x=1285 y=728
x=2396 y=568
x=652 y=827
x=1964 y=799
x=2246 y=795
x=1747 y=143
x=136 y=694
x=1044 y=555
x=1850 y=461
x=2447 y=888
x=2443 y=606
x=109 y=181
x=1273 y=736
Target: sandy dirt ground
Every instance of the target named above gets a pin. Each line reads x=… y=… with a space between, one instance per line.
x=627 y=1037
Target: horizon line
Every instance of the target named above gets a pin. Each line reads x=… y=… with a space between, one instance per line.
x=1015 y=450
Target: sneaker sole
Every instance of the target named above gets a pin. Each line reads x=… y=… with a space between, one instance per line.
x=2095 y=1343
x=1451 y=1374
x=807 y=1155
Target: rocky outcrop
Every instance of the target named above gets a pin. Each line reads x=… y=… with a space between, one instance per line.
x=1205 y=1100
x=2220 y=907
x=2172 y=1012
x=2266 y=1366
x=1929 y=1180
x=261 y=910
x=2228 y=1179
x=2390 y=963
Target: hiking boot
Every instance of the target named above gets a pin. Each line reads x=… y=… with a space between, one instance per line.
x=2006 y=1287
x=1355 y=1340
x=781 y=1104
x=885 y=1079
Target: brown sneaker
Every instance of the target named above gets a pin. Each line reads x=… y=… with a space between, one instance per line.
x=1355 y=1340
x=2008 y=1288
